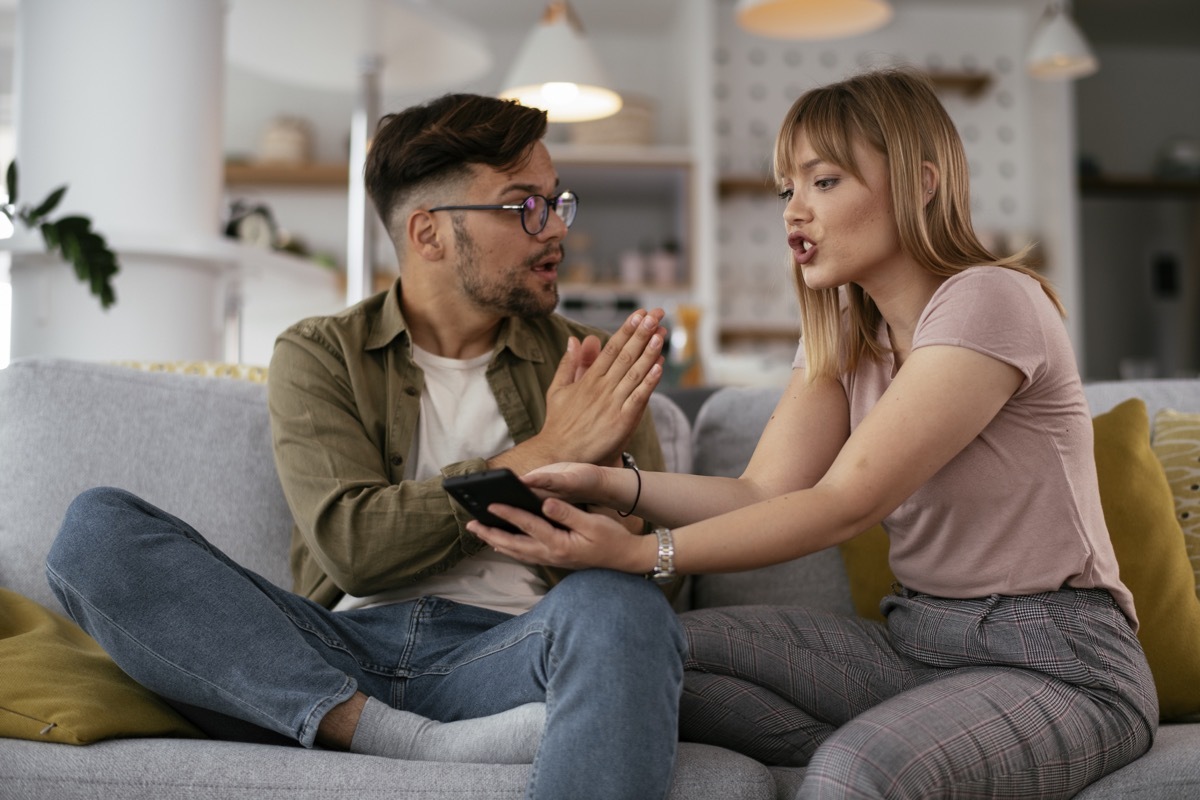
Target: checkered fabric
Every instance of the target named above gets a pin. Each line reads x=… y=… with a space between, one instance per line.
x=1015 y=697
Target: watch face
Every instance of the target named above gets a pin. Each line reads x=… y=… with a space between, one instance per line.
x=661 y=578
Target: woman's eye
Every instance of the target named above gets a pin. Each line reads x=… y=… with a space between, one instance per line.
x=785 y=195
x=826 y=183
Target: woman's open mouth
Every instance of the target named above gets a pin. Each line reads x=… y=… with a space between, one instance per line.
x=803 y=248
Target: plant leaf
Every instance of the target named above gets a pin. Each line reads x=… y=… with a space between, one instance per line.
x=48 y=205
x=76 y=224
x=50 y=236
x=10 y=180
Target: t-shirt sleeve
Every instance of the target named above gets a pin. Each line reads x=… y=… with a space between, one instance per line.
x=999 y=312
x=799 y=361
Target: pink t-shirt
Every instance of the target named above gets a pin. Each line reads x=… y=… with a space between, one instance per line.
x=1018 y=510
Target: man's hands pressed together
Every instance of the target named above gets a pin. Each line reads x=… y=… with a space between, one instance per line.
x=597 y=397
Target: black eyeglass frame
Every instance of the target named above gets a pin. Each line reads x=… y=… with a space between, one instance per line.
x=522 y=207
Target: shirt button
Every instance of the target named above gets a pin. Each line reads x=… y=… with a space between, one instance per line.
x=397 y=461
x=411 y=391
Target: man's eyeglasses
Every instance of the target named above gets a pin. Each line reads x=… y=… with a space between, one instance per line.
x=534 y=210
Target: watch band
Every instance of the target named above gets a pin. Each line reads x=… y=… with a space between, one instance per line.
x=664 y=568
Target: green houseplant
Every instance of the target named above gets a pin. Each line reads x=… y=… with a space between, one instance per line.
x=71 y=237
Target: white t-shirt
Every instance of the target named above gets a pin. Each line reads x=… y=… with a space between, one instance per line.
x=459 y=420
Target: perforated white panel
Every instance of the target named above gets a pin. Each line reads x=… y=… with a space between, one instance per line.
x=757 y=79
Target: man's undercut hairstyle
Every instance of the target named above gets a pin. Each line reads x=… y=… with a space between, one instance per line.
x=438 y=141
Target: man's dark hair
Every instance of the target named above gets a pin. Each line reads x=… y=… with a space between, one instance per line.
x=438 y=140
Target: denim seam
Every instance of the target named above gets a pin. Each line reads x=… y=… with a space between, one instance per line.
x=500 y=646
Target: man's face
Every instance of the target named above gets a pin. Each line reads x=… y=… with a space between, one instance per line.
x=501 y=268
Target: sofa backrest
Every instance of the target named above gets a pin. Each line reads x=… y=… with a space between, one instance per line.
x=727 y=428
x=197 y=447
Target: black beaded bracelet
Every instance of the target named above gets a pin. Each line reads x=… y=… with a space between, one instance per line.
x=637 y=496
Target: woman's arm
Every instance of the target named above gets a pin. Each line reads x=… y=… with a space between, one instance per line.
x=941 y=399
x=808 y=427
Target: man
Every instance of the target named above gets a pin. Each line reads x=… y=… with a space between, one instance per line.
x=461 y=366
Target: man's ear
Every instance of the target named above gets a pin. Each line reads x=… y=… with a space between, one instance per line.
x=425 y=236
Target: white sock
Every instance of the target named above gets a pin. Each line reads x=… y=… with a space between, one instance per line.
x=510 y=737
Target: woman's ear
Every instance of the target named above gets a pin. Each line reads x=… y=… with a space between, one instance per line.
x=929 y=180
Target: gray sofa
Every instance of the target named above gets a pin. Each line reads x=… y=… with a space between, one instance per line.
x=200 y=448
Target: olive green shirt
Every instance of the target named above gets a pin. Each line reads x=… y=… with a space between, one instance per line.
x=344 y=395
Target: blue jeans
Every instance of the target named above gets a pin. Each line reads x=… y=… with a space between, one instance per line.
x=603 y=650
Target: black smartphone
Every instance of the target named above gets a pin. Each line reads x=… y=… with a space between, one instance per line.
x=477 y=490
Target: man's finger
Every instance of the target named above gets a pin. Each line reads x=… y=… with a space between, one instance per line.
x=637 y=329
x=566 y=373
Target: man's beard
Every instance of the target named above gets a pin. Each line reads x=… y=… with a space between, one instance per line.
x=506 y=293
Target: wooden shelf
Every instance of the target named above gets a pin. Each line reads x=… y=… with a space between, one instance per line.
x=735 y=333
x=746 y=184
x=316 y=175
x=968 y=84
x=1144 y=187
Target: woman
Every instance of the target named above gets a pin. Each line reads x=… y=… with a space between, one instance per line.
x=935 y=391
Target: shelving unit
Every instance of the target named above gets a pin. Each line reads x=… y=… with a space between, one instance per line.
x=631 y=198
x=1138 y=187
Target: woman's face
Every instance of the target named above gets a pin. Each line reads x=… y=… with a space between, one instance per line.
x=840 y=229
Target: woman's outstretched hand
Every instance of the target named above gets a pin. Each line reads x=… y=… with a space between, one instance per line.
x=570 y=481
x=584 y=540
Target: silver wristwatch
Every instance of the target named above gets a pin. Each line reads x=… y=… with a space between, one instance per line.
x=664 y=569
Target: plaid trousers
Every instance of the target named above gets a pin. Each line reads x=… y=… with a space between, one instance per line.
x=1002 y=696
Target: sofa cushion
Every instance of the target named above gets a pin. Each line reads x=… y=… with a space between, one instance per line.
x=727 y=428
x=1177 y=444
x=58 y=685
x=1140 y=513
x=162 y=769
x=197 y=447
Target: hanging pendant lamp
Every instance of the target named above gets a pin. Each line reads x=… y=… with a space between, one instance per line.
x=812 y=19
x=1058 y=49
x=557 y=70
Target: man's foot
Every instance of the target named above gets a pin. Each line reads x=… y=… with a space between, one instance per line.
x=510 y=737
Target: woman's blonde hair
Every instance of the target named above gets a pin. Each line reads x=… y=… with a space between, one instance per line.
x=896 y=112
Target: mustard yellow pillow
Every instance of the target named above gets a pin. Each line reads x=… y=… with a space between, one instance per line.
x=1140 y=512
x=867 y=571
x=58 y=685
x=1177 y=445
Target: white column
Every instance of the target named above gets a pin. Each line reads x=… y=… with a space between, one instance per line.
x=122 y=101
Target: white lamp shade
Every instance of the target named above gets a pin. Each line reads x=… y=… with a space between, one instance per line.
x=1058 y=49
x=320 y=43
x=812 y=19
x=557 y=71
